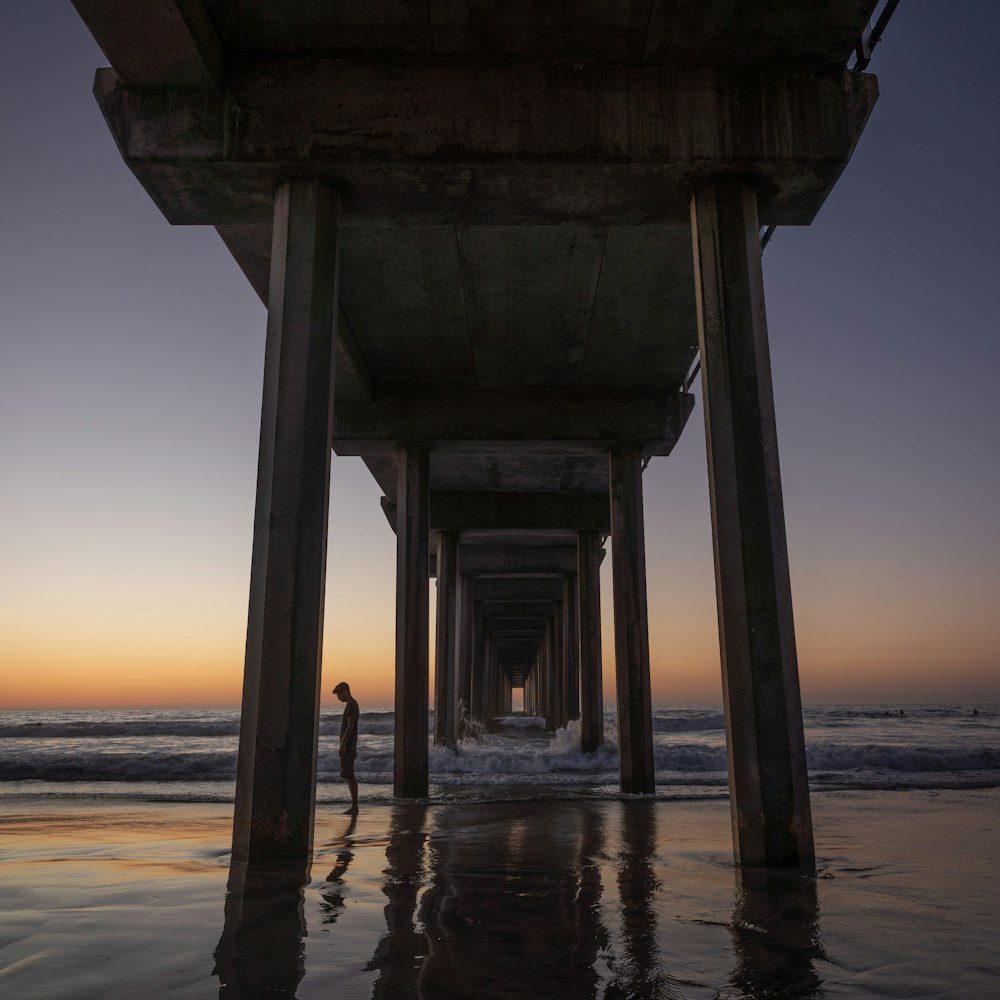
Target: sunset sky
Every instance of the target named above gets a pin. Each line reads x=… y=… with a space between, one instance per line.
x=130 y=382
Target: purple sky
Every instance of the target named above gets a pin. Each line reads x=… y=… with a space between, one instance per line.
x=130 y=395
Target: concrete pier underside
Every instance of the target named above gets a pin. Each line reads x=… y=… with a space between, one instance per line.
x=517 y=309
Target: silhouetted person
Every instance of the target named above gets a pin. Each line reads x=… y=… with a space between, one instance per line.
x=348 y=741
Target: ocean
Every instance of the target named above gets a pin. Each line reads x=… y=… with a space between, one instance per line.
x=524 y=876
x=189 y=755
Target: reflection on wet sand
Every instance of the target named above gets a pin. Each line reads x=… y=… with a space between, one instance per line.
x=503 y=910
x=775 y=932
x=400 y=953
x=332 y=890
x=514 y=899
x=260 y=952
x=637 y=884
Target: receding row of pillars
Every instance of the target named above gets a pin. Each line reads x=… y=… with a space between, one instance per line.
x=481 y=657
x=279 y=727
x=567 y=659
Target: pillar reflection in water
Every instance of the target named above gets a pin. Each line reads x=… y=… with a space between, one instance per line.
x=400 y=954
x=637 y=973
x=775 y=933
x=260 y=953
x=511 y=905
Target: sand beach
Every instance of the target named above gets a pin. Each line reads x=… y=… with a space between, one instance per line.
x=521 y=894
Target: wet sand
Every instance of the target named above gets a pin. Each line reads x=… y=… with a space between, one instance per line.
x=516 y=898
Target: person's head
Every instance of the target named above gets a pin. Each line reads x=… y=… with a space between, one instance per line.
x=342 y=691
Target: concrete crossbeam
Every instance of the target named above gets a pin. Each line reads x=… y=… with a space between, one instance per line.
x=515 y=560
x=686 y=32
x=474 y=141
x=495 y=611
x=470 y=511
x=585 y=418
x=520 y=589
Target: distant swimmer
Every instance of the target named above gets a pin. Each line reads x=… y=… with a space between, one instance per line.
x=975 y=711
x=348 y=741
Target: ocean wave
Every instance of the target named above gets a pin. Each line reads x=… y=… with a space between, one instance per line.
x=688 y=722
x=85 y=729
x=835 y=757
x=370 y=723
x=131 y=766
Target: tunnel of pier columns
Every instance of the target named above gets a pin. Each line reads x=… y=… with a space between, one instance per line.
x=496 y=243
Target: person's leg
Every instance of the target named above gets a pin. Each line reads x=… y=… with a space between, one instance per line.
x=347 y=773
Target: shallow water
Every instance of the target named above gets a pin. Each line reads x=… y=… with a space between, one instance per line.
x=524 y=897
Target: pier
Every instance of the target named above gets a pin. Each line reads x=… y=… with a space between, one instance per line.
x=496 y=242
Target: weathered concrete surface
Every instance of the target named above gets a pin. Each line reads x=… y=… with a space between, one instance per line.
x=570 y=648
x=571 y=420
x=591 y=553
x=477 y=142
x=412 y=713
x=276 y=774
x=520 y=588
x=628 y=563
x=516 y=560
x=575 y=511
x=466 y=641
x=446 y=644
x=769 y=789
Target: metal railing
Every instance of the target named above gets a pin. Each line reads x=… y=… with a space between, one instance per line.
x=870 y=37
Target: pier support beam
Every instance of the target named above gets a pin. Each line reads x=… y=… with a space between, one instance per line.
x=589 y=551
x=276 y=772
x=410 y=769
x=466 y=642
x=571 y=648
x=769 y=793
x=446 y=645
x=635 y=710
x=480 y=667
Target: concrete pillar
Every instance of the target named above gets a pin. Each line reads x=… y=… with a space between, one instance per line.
x=466 y=641
x=589 y=551
x=635 y=710
x=276 y=772
x=546 y=673
x=410 y=771
x=571 y=648
x=769 y=793
x=479 y=667
x=559 y=668
x=446 y=645
x=489 y=681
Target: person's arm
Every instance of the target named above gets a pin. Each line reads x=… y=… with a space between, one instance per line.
x=352 y=721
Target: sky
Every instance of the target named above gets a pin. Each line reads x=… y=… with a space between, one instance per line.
x=131 y=360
